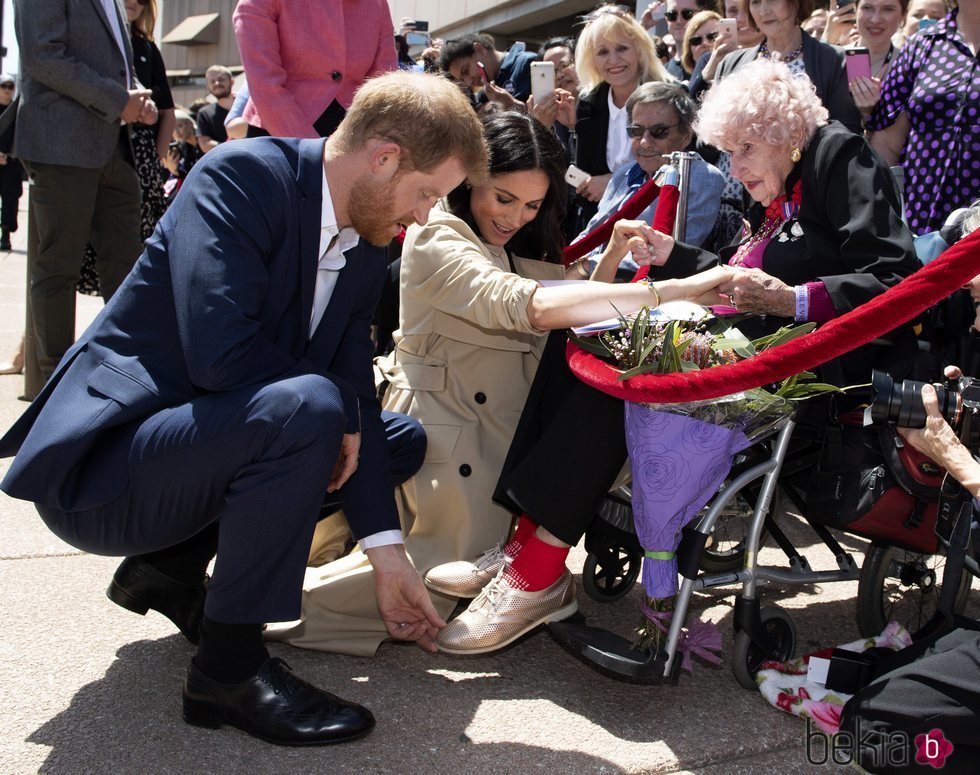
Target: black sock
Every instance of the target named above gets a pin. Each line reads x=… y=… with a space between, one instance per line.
x=188 y=560
x=230 y=653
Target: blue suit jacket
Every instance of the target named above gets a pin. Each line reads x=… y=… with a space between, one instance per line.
x=220 y=299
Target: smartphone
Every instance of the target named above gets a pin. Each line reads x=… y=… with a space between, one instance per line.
x=926 y=23
x=420 y=26
x=728 y=28
x=542 y=80
x=574 y=176
x=858 y=63
x=174 y=145
x=841 y=4
x=483 y=71
x=417 y=38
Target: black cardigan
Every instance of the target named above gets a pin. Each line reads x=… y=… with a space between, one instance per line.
x=591 y=129
x=824 y=66
x=849 y=233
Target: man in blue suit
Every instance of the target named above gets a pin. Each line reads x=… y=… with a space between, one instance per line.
x=227 y=388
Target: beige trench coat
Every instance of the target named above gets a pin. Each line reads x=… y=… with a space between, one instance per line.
x=465 y=355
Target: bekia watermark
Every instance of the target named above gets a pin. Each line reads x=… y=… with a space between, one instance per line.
x=874 y=749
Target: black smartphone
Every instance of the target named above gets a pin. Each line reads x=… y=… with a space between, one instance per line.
x=421 y=26
x=174 y=145
x=842 y=4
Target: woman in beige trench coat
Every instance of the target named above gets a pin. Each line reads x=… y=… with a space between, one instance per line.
x=472 y=321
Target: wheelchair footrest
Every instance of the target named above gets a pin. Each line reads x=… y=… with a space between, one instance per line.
x=611 y=654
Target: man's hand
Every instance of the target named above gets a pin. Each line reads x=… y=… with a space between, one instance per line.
x=593 y=188
x=149 y=114
x=346 y=464
x=403 y=601
x=134 y=105
x=502 y=97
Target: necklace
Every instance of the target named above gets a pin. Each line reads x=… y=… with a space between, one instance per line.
x=769 y=227
x=887 y=59
x=765 y=53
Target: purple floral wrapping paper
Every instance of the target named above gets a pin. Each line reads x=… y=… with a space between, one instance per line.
x=678 y=463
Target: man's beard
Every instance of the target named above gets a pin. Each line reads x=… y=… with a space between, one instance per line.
x=224 y=92
x=372 y=210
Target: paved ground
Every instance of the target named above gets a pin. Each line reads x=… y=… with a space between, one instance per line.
x=89 y=687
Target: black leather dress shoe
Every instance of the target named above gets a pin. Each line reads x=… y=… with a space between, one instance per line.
x=137 y=586
x=274 y=705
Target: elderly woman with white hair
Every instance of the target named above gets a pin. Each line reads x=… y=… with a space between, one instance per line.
x=827 y=236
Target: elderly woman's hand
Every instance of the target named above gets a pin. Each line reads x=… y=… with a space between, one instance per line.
x=752 y=290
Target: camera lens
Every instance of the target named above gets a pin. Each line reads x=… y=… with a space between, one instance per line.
x=901 y=404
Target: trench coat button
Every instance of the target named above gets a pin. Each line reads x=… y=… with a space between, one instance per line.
x=465 y=470
x=336 y=75
x=480 y=398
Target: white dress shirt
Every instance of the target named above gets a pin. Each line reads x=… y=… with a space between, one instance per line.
x=115 y=22
x=619 y=150
x=334 y=242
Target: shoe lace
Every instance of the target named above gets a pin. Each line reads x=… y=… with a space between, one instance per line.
x=279 y=679
x=490 y=558
x=491 y=593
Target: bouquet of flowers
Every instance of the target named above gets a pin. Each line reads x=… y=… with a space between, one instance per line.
x=681 y=453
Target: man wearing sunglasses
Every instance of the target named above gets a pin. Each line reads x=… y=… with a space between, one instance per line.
x=659 y=117
x=11 y=173
x=678 y=14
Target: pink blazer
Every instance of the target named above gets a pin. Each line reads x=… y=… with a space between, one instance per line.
x=300 y=55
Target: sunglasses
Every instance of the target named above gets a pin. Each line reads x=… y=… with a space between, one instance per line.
x=143 y=2
x=6 y=86
x=697 y=40
x=657 y=131
x=687 y=14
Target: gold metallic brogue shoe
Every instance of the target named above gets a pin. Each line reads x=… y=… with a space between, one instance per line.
x=466 y=579
x=500 y=615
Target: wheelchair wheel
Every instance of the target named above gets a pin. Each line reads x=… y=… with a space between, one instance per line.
x=610 y=578
x=748 y=657
x=901 y=585
x=725 y=550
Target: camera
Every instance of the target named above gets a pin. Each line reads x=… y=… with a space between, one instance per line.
x=901 y=404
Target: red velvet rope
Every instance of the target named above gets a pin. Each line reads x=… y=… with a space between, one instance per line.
x=631 y=208
x=899 y=304
x=663 y=220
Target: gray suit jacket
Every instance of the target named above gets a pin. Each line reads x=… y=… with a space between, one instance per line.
x=73 y=82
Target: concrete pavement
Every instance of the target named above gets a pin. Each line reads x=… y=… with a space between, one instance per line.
x=88 y=687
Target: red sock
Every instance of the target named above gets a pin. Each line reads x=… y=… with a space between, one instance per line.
x=537 y=566
x=525 y=529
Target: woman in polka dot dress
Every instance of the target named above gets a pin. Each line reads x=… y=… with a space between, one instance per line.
x=928 y=118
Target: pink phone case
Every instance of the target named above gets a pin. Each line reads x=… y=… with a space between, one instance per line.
x=858 y=63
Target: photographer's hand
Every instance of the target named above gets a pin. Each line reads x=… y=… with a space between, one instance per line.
x=940 y=442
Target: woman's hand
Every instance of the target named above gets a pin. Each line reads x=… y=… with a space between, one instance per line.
x=648 y=246
x=566 y=108
x=839 y=24
x=702 y=288
x=727 y=43
x=593 y=188
x=866 y=93
x=752 y=290
x=546 y=111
